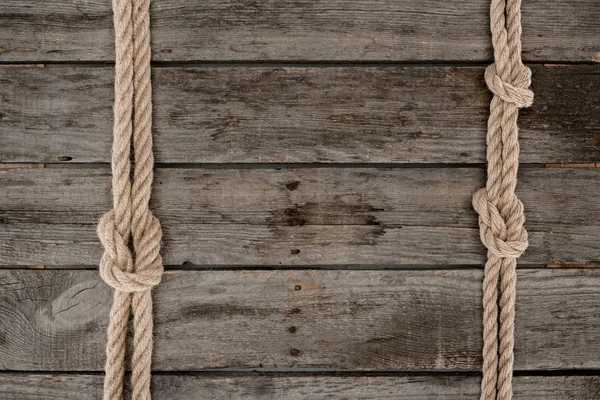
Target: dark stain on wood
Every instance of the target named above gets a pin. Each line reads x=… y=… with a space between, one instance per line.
x=293 y=216
x=404 y=215
x=338 y=213
x=293 y=185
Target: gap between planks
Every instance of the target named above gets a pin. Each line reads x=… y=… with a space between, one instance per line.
x=194 y=267
x=12 y=166
x=576 y=165
x=286 y=63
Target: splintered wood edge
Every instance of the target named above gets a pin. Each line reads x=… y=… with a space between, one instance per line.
x=22 y=65
x=4 y=167
x=576 y=165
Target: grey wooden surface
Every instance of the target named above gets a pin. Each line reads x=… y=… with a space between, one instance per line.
x=425 y=114
x=344 y=30
x=316 y=163
x=341 y=320
x=299 y=216
x=189 y=387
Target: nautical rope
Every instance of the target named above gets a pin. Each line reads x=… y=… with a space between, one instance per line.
x=501 y=214
x=130 y=234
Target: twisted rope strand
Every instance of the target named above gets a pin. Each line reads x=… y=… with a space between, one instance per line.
x=501 y=213
x=115 y=241
x=131 y=273
x=146 y=229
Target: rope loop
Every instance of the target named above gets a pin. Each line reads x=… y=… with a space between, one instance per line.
x=117 y=266
x=516 y=92
x=504 y=239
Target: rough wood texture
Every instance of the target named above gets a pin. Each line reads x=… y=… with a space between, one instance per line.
x=323 y=110
x=261 y=387
x=299 y=216
x=53 y=320
x=303 y=115
x=66 y=30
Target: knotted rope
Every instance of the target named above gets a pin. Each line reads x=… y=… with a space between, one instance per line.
x=131 y=273
x=501 y=215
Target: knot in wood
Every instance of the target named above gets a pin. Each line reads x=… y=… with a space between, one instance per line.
x=503 y=237
x=118 y=267
x=516 y=92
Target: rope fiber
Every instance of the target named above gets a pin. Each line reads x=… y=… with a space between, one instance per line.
x=130 y=234
x=501 y=213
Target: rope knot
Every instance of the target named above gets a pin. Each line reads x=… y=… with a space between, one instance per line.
x=118 y=267
x=516 y=92
x=504 y=238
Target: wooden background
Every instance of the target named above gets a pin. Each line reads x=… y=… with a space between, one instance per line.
x=315 y=163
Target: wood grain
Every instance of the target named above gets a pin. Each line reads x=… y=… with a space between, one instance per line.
x=374 y=81
x=299 y=216
x=261 y=387
x=55 y=320
x=298 y=115
x=65 y=30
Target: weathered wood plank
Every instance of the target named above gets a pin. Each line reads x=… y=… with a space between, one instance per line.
x=303 y=115
x=299 y=216
x=65 y=30
x=55 y=320
x=186 y=387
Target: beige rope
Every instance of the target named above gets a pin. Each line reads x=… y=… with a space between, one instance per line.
x=501 y=215
x=131 y=274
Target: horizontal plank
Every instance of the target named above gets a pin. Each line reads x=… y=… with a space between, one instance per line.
x=299 y=216
x=187 y=387
x=299 y=115
x=65 y=30
x=55 y=320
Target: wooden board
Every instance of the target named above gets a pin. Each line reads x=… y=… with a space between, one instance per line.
x=66 y=30
x=298 y=115
x=243 y=87
x=299 y=216
x=189 y=387
x=55 y=320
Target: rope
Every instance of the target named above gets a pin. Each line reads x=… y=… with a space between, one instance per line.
x=130 y=223
x=501 y=214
